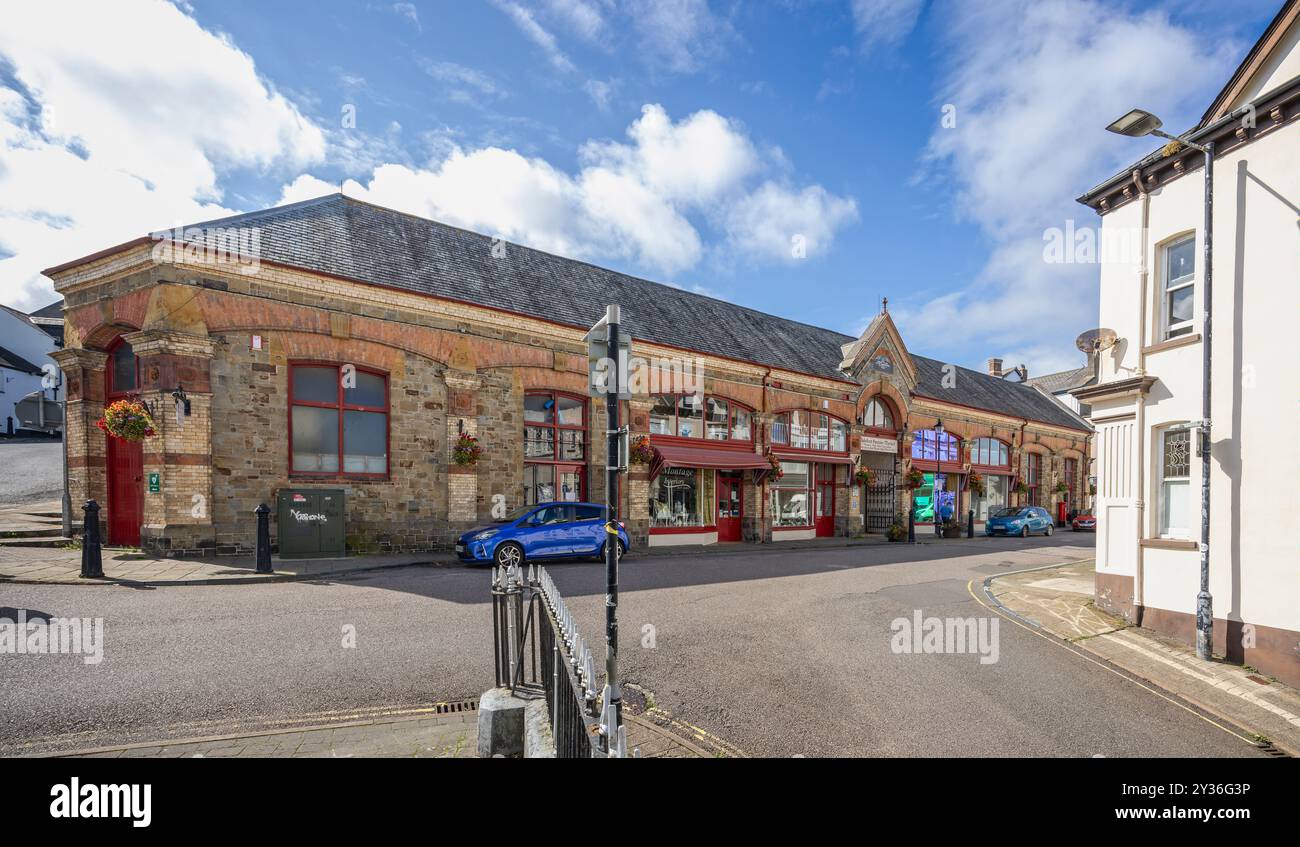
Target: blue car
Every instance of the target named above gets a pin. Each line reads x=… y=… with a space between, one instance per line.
x=1019 y=520
x=543 y=531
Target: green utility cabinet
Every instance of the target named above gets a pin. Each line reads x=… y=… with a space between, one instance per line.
x=311 y=522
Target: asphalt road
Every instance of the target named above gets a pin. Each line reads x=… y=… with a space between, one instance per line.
x=779 y=653
x=31 y=470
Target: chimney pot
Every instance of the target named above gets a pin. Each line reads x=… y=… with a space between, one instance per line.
x=995 y=367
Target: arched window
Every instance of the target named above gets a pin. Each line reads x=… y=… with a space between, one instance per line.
x=555 y=436
x=810 y=431
x=990 y=452
x=122 y=369
x=877 y=416
x=931 y=446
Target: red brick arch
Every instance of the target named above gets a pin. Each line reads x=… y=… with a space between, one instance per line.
x=885 y=391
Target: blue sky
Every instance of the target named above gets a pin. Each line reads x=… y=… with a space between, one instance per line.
x=703 y=144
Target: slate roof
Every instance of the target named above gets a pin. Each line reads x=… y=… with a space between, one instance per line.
x=978 y=389
x=54 y=310
x=345 y=237
x=11 y=360
x=1062 y=381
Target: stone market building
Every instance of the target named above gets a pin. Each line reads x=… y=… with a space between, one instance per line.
x=353 y=346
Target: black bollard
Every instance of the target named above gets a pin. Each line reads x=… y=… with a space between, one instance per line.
x=263 y=538
x=911 y=525
x=92 y=558
x=970 y=523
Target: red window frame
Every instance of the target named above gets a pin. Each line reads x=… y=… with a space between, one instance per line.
x=556 y=428
x=1071 y=472
x=972 y=447
x=950 y=459
x=1033 y=467
x=785 y=415
x=732 y=406
x=342 y=407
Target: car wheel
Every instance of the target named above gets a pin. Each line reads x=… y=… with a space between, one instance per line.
x=1024 y=532
x=509 y=554
x=622 y=551
x=1050 y=529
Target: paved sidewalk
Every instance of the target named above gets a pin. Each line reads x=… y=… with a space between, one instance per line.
x=1059 y=601
x=446 y=736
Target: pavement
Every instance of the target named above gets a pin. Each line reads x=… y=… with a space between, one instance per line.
x=773 y=653
x=1058 y=602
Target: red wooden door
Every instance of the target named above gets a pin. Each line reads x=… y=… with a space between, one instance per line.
x=730 y=508
x=124 y=460
x=825 y=499
x=125 y=491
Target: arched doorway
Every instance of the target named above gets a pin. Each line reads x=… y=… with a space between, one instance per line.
x=124 y=460
x=879 y=445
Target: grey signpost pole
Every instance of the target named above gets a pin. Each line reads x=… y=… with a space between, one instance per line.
x=613 y=694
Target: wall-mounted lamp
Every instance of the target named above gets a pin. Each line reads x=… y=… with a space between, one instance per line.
x=182 y=405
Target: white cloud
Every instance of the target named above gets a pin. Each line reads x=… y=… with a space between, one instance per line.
x=526 y=21
x=1034 y=84
x=600 y=92
x=680 y=34
x=109 y=144
x=884 y=23
x=645 y=199
x=585 y=17
x=460 y=79
x=408 y=11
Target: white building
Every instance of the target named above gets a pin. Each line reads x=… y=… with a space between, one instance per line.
x=1150 y=379
x=25 y=349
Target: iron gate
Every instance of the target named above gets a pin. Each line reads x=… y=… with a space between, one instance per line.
x=880 y=502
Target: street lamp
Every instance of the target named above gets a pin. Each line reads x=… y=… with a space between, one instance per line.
x=1136 y=124
x=938 y=472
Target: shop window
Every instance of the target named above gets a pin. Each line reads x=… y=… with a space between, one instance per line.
x=1179 y=260
x=937 y=495
x=990 y=452
x=122 y=370
x=335 y=427
x=1071 y=479
x=994 y=497
x=555 y=440
x=929 y=445
x=1175 y=481
x=681 y=497
x=877 y=416
x=699 y=416
x=791 y=495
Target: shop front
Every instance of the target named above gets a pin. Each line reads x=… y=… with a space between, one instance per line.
x=991 y=477
x=937 y=455
x=697 y=494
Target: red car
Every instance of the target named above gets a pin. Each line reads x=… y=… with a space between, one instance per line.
x=1084 y=523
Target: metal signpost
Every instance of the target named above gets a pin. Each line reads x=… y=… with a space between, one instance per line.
x=609 y=367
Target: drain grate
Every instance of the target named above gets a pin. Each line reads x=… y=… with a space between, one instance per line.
x=1267 y=748
x=458 y=706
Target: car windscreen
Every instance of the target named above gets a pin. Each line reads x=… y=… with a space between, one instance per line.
x=1007 y=513
x=516 y=514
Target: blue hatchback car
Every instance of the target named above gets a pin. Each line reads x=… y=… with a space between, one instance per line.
x=1019 y=520
x=543 y=531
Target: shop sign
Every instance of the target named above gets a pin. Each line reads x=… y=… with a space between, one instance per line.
x=878 y=445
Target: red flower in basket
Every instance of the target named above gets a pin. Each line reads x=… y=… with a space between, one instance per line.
x=128 y=420
x=467 y=450
x=914 y=478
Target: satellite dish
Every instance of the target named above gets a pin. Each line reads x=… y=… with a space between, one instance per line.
x=1096 y=340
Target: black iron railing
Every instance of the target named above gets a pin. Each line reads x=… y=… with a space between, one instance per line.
x=539 y=652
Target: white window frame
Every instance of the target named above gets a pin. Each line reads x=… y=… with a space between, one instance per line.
x=1168 y=286
x=1166 y=523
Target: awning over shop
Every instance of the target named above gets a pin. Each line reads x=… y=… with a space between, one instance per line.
x=832 y=459
x=680 y=456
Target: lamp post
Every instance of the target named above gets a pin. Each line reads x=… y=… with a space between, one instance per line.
x=1136 y=124
x=938 y=472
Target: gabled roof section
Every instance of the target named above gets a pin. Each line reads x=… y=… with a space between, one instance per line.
x=880 y=332
x=1259 y=59
x=11 y=360
x=1063 y=381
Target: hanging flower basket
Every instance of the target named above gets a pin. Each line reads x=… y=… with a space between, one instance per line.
x=1092 y=490
x=914 y=478
x=467 y=450
x=975 y=482
x=776 y=473
x=1020 y=487
x=864 y=476
x=128 y=420
x=642 y=453
x=1062 y=488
